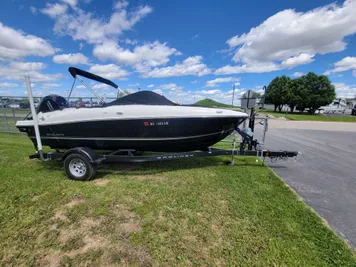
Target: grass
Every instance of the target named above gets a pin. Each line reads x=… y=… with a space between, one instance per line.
x=211 y=103
x=9 y=126
x=307 y=117
x=21 y=113
x=187 y=212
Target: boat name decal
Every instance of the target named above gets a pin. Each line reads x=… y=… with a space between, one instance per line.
x=55 y=135
x=155 y=123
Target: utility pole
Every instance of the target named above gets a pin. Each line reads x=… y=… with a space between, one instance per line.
x=264 y=96
x=233 y=95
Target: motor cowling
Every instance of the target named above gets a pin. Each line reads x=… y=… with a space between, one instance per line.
x=51 y=103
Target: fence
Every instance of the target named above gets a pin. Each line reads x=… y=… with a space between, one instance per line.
x=15 y=108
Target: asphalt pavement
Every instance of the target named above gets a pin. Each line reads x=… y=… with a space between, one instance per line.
x=325 y=174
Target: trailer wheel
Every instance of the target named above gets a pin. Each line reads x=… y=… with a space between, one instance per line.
x=78 y=167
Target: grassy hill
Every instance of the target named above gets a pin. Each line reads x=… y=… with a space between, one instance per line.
x=207 y=102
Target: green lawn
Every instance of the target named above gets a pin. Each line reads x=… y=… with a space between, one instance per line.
x=10 y=124
x=11 y=120
x=179 y=213
x=307 y=117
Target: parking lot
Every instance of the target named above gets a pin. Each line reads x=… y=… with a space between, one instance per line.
x=325 y=175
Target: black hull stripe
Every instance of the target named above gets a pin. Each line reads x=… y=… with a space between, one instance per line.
x=129 y=138
x=44 y=123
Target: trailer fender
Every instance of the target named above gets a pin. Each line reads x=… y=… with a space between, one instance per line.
x=87 y=152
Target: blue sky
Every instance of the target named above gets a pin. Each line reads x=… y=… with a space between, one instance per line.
x=185 y=50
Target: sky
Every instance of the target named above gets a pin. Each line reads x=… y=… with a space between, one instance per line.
x=184 y=50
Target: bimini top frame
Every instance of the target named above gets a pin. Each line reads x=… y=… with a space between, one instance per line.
x=75 y=72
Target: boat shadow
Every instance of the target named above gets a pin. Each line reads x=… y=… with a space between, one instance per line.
x=158 y=168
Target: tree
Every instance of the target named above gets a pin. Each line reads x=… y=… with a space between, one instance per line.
x=277 y=92
x=300 y=92
x=296 y=93
x=307 y=92
x=24 y=101
x=320 y=91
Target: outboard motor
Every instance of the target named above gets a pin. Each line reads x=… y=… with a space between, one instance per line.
x=52 y=103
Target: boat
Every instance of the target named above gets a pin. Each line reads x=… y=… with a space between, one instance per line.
x=141 y=121
x=338 y=106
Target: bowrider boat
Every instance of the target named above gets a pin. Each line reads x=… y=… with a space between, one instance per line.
x=142 y=121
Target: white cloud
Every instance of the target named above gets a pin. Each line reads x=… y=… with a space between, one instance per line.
x=33 y=10
x=142 y=57
x=347 y=63
x=298 y=74
x=158 y=91
x=16 y=44
x=101 y=86
x=345 y=90
x=301 y=59
x=71 y=59
x=28 y=66
x=54 y=10
x=81 y=25
x=190 y=66
x=81 y=45
x=255 y=68
x=209 y=92
x=189 y=97
x=121 y=4
x=17 y=71
x=215 y=82
x=80 y=86
x=130 y=42
x=134 y=85
x=150 y=85
x=195 y=36
x=50 y=85
x=170 y=86
x=110 y=71
x=8 y=85
x=353 y=73
x=72 y=3
x=289 y=38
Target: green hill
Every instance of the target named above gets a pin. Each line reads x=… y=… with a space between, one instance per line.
x=207 y=102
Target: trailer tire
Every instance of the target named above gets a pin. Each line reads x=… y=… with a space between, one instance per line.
x=79 y=168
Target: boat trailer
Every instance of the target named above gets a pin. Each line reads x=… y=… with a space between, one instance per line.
x=80 y=163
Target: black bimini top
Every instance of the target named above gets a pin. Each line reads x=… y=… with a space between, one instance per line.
x=139 y=98
x=143 y=98
x=74 y=72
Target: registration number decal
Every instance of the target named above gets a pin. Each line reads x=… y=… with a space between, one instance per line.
x=157 y=123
